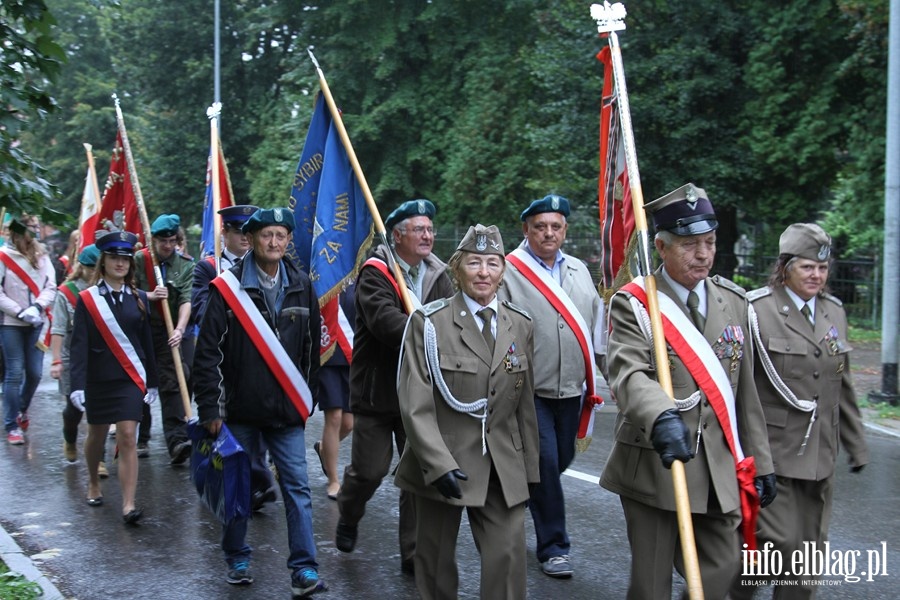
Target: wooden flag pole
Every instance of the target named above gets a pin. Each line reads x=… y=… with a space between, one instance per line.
x=213 y=113
x=145 y=225
x=610 y=18
x=364 y=186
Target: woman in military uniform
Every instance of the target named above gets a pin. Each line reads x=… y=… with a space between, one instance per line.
x=802 y=372
x=466 y=398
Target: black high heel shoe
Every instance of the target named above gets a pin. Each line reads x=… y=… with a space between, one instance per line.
x=98 y=501
x=133 y=516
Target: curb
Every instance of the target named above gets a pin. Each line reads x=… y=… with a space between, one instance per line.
x=882 y=430
x=16 y=559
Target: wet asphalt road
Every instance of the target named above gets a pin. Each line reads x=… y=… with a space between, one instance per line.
x=89 y=554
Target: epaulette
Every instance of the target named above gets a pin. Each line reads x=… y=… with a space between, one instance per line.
x=518 y=309
x=834 y=299
x=729 y=285
x=759 y=293
x=432 y=307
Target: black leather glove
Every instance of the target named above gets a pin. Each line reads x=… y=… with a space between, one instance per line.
x=448 y=485
x=671 y=438
x=857 y=468
x=765 y=489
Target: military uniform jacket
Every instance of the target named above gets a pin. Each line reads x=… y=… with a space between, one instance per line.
x=440 y=439
x=91 y=360
x=378 y=333
x=559 y=372
x=815 y=365
x=634 y=468
x=179 y=276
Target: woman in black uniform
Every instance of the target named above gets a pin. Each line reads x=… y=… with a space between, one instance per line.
x=112 y=363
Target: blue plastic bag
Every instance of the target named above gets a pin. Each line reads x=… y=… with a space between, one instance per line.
x=220 y=470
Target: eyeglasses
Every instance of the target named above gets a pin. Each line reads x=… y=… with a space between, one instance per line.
x=420 y=229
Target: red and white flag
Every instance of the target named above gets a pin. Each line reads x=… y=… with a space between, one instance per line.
x=89 y=220
x=119 y=206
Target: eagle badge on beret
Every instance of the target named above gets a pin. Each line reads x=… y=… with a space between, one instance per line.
x=481 y=243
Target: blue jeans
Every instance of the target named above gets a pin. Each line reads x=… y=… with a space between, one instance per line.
x=287 y=447
x=557 y=426
x=24 y=363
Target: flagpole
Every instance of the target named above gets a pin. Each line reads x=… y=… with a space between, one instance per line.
x=610 y=18
x=364 y=186
x=213 y=113
x=145 y=225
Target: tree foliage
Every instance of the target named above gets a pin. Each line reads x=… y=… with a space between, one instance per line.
x=484 y=106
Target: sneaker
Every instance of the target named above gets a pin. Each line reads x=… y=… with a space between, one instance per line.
x=102 y=471
x=15 y=437
x=143 y=450
x=557 y=566
x=180 y=453
x=239 y=573
x=305 y=583
x=345 y=536
x=23 y=421
x=70 y=451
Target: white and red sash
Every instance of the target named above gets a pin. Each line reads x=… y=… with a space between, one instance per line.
x=112 y=333
x=706 y=369
x=33 y=287
x=336 y=329
x=266 y=343
x=561 y=302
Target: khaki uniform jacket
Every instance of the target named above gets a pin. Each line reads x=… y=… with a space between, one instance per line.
x=440 y=439
x=815 y=365
x=559 y=372
x=634 y=469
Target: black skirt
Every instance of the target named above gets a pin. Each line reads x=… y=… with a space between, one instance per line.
x=113 y=401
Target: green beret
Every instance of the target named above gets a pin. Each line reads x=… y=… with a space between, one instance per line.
x=551 y=203
x=806 y=240
x=482 y=239
x=410 y=208
x=165 y=226
x=269 y=216
x=685 y=211
x=88 y=257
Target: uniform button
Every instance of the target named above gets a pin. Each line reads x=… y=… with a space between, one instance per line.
x=490 y=411
x=458 y=365
x=488 y=430
x=815 y=396
x=706 y=425
x=561 y=326
x=787 y=348
x=560 y=394
x=637 y=440
x=817 y=353
x=815 y=374
x=494 y=392
x=706 y=403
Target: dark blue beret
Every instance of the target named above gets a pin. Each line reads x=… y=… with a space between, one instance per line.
x=410 y=208
x=237 y=214
x=116 y=242
x=269 y=216
x=685 y=211
x=165 y=226
x=551 y=203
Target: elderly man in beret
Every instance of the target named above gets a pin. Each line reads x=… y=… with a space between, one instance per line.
x=178 y=275
x=802 y=373
x=262 y=317
x=715 y=426
x=556 y=290
x=471 y=425
x=380 y=321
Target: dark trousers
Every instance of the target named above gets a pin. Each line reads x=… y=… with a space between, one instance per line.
x=557 y=426
x=174 y=426
x=370 y=459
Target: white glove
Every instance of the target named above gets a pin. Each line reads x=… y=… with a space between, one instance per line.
x=152 y=395
x=31 y=315
x=77 y=399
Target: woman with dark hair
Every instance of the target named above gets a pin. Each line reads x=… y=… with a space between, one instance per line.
x=27 y=290
x=802 y=372
x=113 y=365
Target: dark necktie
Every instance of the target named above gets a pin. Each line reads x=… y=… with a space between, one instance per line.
x=486 y=315
x=808 y=314
x=693 y=302
x=414 y=272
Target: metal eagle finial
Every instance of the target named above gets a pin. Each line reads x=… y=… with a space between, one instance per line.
x=609 y=17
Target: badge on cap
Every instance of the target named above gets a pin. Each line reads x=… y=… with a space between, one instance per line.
x=248 y=210
x=691 y=198
x=278 y=216
x=481 y=243
x=420 y=205
x=554 y=203
x=824 y=251
x=123 y=236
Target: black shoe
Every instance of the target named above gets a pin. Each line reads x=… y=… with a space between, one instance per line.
x=408 y=566
x=98 y=501
x=345 y=536
x=133 y=516
x=259 y=498
x=318 y=448
x=180 y=453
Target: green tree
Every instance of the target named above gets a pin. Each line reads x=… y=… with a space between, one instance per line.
x=29 y=60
